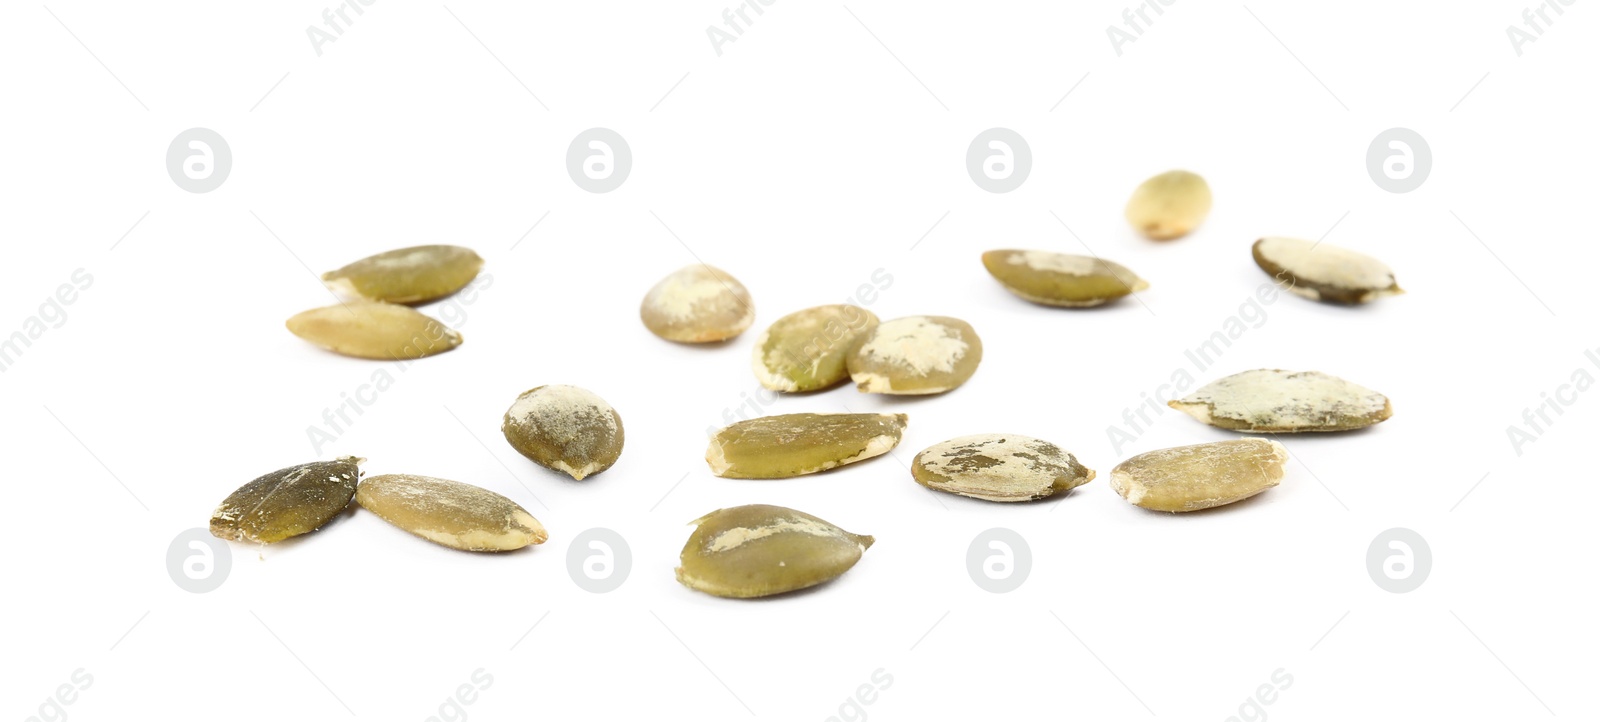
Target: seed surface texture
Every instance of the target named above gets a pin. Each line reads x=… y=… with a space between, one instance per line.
x=1190 y=478
x=288 y=502
x=760 y=550
x=566 y=429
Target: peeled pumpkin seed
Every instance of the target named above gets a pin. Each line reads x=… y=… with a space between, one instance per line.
x=760 y=550
x=1324 y=272
x=407 y=275
x=806 y=350
x=1059 y=279
x=288 y=502
x=1274 y=400
x=457 y=515
x=697 y=304
x=374 y=330
x=778 y=447
x=1190 y=478
x=1169 y=205
x=999 y=467
x=916 y=355
x=564 y=428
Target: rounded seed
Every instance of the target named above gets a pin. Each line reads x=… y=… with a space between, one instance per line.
x=760 y=550
x=1059 y=279
x=457 y=515
x=565 y=428
x=778 y=447
x=916 y=355
x=407 y=275
x=1274 y=400
x=1169 y=205
x=1190 y=478
x=999 y=467
x=374 y=330
x=1323 y=271
x=806 y=350
x=288 y=502
x=697 y=304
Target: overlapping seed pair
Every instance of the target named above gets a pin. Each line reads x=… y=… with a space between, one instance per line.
x=375 y=324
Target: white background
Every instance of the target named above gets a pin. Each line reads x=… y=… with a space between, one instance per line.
x=802 y=159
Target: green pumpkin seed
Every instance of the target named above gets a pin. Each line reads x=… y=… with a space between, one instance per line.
x=697 y=304
x=1059 y=279
x=760 y=550
x=407 y=275
x=916 y=355
x=1274 y=400
x=1190 y=478
x=288 y=502
x=1169 y=205
x=999 y=467
x=778 y=447
x=566 y=429
x=374 y=330
x=457 y=515
x=806 y=350
x=1324 y=272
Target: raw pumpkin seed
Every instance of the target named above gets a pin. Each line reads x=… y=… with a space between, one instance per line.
x=1274 y=400
x=1324 y=272
x=778 y=447
x=806 y=350
x=999 y=467
x=374 y=330
x=407 y=275
x=564 y=428
x=1169 y=205
x=916 y=355
x=697 y=304
x=1190 y=478
x=760 y=550
x=1059 y=279
x=288 y=502
x=457 y=515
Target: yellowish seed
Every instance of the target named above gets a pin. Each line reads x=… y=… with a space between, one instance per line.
x=1190 y=478
x=697 y=304
x=1169 y=205
x=374 y=330
x=456 y=515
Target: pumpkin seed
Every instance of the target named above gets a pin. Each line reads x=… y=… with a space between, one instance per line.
x=1189 y=478
x=778 y=447
x=760 y=550
x=1169 y=205
x=374 y=330
x=564 y=428
x=806 y=350
x=697 y=304
x=1059 y=279
x=999 y=467
x=916 y=355
x=288 y=502
x=1274 y=400
x=1324 y=272
x=407 y=275
x=457 y=515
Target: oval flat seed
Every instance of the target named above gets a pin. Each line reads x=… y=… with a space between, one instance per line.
x=778 y=447
x=697 y=304
x=1059 y=279
x=916 y=355
x=760 y=550
x=999 y=467
x=374 y=330
x=1169 y=205
x=565 y=428
x=1190 y=478
x=806 y=350
x=1323 y=271
x=407 y=275
x=457 y=515
x=288 y=502
x=1274 y=400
